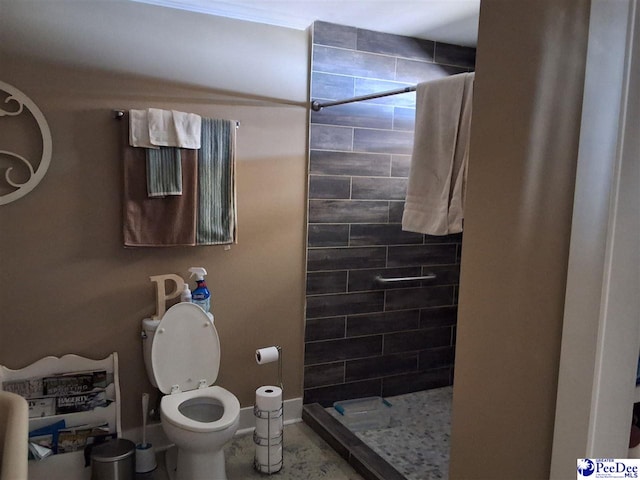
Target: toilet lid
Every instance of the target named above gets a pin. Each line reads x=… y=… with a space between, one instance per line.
x=185 y=349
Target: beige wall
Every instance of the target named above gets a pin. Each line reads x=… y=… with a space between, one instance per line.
x=67 y=285
x=527 y=105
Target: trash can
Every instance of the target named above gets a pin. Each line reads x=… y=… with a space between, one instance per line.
x=114 y=460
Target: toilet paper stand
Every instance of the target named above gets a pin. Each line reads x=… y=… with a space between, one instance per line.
x=274 y=439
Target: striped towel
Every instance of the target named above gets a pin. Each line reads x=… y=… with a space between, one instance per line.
x=216 y=223
x=164 y=172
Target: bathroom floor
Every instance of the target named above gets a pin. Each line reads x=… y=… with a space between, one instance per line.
x=416 y=442
x=306 y=456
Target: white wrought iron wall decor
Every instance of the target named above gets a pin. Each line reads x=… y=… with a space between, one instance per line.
x=17 y=102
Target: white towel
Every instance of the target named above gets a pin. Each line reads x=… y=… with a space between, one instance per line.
x=435 y=194
x=161 y=130
x=139 y=129
x=461 y=159
x=187 y=127
x=170 y=128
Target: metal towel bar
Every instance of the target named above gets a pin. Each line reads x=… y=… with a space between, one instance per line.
x=119 y=115
x=430 y=276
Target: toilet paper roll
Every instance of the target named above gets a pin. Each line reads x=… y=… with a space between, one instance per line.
x=269 y=459
x=268 y=429
x=268 y=397
x=267 y=355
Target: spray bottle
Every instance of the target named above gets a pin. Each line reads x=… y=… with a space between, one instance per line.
x=200 y=295
x=185 y=296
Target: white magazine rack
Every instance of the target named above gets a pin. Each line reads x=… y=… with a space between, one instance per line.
x=70 y=465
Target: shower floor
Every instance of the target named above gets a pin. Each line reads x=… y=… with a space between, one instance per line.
x=416 y=442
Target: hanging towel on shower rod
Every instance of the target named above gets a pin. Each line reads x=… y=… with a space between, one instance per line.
x=437 y=178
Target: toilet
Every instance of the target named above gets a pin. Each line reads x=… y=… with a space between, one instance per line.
x=182 y=357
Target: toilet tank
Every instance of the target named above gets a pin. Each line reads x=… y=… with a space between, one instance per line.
x=149 y=328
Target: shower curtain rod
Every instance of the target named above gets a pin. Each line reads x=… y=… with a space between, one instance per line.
x=317 y=106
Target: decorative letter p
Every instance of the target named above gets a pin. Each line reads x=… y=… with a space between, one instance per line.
x=161 y=295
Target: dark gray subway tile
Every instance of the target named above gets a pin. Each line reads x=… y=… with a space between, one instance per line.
x=326 y=282
x=326 y=396
x=325 y=33
x=373 y=138
x=438 y=317
x=455 y=55
x=445 y=274
x=355 y=115
x=376 y=188
x=382 y=234
x=343 y=349
x=344 y=304
x=416 y=72
x=324 y=374
x=422 y=297
x=373 y=323
x=327 y=86
x=400 y=256
x=435 y=358
x=347 y=211
x=368 y=86
x=353 y=63
x=400 y=165
x=348 y=163
x=451 y=238
x=328 y=137
x=381 y=366
x=345 y=258
x=416 y=382
x=324 y=328
x=415 y=340
x=404 y=118
x=365 y=280
x=396 y=45
x=323 y=235
x=382 y=141
x=396 y=209
x=325 y=186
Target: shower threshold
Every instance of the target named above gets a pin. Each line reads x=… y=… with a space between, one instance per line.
x=415 y=445
x=360 y=456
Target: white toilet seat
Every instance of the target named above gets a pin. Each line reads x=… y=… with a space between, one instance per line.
x=170 y=404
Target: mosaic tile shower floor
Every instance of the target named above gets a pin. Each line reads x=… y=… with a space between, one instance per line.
x=416 y=442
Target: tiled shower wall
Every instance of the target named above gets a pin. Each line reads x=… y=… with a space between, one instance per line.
x=362 y=338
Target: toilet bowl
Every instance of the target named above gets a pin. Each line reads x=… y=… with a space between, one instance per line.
x=197 y=416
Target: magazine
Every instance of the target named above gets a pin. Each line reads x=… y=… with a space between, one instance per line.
x=41 y=407
x=76 y=438
x=73 y=383
x=81 y=403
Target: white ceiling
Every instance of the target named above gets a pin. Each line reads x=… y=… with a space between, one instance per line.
x=451 y=21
